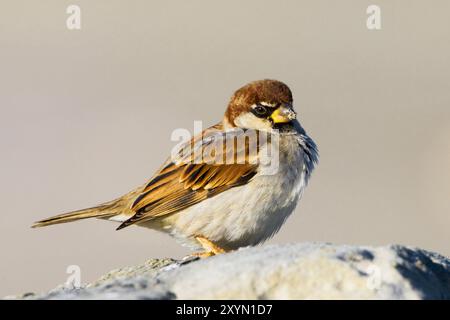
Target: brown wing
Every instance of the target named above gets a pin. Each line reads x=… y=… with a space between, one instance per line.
x=201 y=170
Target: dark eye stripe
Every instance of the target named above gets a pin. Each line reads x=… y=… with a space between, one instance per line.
x=261 y=111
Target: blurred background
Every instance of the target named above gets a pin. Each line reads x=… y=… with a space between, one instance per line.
x=83 y=111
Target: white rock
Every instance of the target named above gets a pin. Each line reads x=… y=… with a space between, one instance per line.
x=295 y=271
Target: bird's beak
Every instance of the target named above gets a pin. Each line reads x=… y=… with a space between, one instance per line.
x=283 y=115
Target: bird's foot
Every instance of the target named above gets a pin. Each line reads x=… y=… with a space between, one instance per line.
x=196 y=256
x=210 y=247
x=203 y=254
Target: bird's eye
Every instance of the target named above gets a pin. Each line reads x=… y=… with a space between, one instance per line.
x=260 y=110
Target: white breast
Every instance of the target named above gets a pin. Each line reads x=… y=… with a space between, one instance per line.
x=249 y=214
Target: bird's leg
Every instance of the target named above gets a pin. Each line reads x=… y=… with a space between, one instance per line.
x=211 y=249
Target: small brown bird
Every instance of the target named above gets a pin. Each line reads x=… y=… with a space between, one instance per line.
x=218 y=194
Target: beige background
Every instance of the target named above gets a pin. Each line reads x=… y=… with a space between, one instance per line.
x=87 y=115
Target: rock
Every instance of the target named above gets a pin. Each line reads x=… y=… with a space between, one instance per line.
x=295 y=271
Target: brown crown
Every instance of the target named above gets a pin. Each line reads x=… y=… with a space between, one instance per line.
x=269 y=91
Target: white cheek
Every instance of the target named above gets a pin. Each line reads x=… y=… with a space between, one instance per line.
x=250 y=121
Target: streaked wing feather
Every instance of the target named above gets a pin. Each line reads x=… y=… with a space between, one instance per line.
x=193 y=178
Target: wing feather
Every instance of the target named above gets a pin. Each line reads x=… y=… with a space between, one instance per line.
x=195 y=176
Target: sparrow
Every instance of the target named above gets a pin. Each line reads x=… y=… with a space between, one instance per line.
x=232 y=186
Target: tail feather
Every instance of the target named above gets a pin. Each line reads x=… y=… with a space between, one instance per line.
x=119 y=206
x=101 y=211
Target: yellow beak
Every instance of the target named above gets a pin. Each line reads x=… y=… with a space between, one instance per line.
x=283 y=115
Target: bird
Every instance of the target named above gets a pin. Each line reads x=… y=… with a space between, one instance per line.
x=223 y=189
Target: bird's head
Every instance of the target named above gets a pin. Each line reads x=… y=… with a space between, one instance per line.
x=260 y=105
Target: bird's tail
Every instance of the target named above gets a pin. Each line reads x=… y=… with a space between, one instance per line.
x=105 y=210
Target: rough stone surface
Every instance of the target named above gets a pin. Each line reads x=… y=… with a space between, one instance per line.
x=294 y=271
